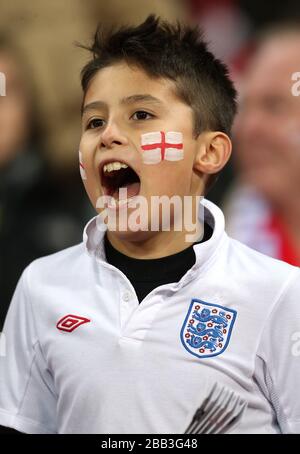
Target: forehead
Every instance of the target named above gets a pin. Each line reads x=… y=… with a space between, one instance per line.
x=270 y=71
x=115 y=82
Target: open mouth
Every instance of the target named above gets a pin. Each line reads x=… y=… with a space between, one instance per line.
x=118 y=175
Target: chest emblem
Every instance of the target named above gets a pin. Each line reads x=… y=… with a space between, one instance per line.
x=70 y=322
x=207 y=328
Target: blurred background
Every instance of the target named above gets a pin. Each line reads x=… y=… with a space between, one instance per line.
x=43 y=206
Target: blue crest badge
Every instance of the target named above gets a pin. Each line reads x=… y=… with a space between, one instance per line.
x=207 y=329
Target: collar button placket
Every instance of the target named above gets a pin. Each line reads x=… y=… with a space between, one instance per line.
x=127 y=306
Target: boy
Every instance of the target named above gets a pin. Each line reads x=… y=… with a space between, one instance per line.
x=131 y=330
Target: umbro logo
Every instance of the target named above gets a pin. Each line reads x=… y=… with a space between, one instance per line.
x=70 y=322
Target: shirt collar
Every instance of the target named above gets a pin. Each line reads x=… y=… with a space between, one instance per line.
x=207 y=251
x=94 y=231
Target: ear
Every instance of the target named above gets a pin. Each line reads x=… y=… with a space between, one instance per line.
x=213 y=152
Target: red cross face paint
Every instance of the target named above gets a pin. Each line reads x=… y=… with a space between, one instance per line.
x=81 y=167
x=159 y=146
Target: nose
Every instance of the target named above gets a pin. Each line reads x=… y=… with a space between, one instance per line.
x=112 y=136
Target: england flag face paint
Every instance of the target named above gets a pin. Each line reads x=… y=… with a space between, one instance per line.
x=159 y=146
x=81 y=167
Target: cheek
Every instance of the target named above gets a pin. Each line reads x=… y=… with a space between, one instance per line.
x=158 y=146
x=92 y=191
x=167 y=165
x=81 y=166
x=86 y=154
x=89 y=180
x=168 y=178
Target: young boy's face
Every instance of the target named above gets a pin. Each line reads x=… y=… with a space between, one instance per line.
x=122 y=104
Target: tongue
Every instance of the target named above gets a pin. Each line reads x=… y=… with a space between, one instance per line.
x=132 y=190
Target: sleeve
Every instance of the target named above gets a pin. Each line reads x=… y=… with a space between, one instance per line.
x=27 y=395
x=278 y=357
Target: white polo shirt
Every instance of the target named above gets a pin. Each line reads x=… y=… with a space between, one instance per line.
x=83 y=356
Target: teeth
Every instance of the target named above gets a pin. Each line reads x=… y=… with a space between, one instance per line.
x=114 y=166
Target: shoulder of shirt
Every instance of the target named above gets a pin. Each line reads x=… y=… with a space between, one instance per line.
x=260 y=270
x=241 y=261
x=65 y=262
x=258 y=259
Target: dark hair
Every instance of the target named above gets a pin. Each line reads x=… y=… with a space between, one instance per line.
x=176 y=52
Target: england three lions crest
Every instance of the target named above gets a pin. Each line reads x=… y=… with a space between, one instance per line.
x=207 y=329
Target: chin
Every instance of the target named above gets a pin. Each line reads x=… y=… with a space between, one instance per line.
x=130 y=236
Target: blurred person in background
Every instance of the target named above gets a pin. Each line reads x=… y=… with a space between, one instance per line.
x=263 y=207
x=37 y=217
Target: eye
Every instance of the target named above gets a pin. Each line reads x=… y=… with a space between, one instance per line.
x=142 y=115
x=95 y=123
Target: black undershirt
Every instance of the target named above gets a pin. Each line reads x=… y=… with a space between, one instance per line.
x=147 y=274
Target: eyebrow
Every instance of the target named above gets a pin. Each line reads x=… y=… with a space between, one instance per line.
x=96 y=105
